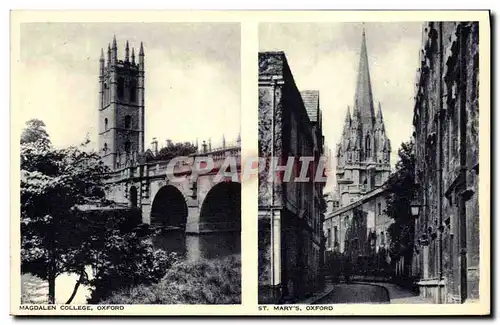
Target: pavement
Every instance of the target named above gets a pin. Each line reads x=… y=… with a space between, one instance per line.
x=358 y=292
x=400 y=295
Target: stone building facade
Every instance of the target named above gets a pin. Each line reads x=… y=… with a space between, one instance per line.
x=356 y=224
x=446 y=124
x=290 y=213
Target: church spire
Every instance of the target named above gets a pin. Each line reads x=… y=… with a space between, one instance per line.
x=363 y=100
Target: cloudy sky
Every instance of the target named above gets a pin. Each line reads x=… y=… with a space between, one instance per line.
x=192 y=78
x=325 y=56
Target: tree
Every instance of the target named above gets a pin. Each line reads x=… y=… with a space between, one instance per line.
x=35 y=132
x=53 y=183
x=401 y=189
x=175 y=150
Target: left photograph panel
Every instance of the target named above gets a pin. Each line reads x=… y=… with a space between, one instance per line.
x=130 y=153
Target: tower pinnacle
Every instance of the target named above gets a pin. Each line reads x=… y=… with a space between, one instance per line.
x=127 y=52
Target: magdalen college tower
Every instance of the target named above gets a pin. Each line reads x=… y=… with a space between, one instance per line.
x=121 y=106
x=363 y=153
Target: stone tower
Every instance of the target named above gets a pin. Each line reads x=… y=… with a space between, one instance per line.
x=363 y=153
x=121 y=106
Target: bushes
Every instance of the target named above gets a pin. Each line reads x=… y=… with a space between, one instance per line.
x=128 y=260
x=202 y=282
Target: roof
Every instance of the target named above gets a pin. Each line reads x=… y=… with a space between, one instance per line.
x=311 y=102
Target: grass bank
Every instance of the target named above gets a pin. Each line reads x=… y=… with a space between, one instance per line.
x=202 y=282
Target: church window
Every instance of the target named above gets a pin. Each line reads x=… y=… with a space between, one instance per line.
x=133 y=92
x=106 y=124
x=128 y=121
x=368 y=146
x=335 y=235
x=105 y=149
x=106 y=94
x=121 y=87
x=127 y=147
x=379 y=206
x=329 y=237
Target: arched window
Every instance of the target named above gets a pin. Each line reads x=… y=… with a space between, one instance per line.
x=128 y=122
x=133 y=92
x=368 y=146
x=105 y=149
x=106 y=124
x=106 y=94
x=120 y=87
x=127 y=147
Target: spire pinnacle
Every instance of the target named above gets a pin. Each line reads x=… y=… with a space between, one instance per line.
x=363 y=100
x=127 y=52
x=133 y=56
x=102 y=55
x=114 y=41
x=141 y=50
x=348 y=114
x=379 y=113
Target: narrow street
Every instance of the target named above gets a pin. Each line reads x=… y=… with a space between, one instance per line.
x=355 y=293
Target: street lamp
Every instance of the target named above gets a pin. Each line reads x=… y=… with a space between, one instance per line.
x=415 y=208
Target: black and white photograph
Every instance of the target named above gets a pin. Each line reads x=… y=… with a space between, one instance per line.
x=124 y=131
x=392 y=110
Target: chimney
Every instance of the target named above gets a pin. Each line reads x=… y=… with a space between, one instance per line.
x=204 y=145
x=154 y=145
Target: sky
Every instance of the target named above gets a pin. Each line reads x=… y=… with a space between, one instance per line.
x=325 y=56
x=192 y=76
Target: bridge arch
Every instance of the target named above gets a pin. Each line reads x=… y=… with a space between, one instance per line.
x=169 y=209
x=221 y=208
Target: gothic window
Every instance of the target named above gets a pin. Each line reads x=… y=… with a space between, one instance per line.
x=335 y=235
x=128 y=122
x=105 y=149
x=127 y=147
x=368 y=146
x=329 y=237
x=106 y=124
x=133 y=92
x=379 y=206
x=120 y=87
x=106 y=94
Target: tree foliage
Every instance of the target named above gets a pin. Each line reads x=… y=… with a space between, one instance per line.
x=401 y=188
x=59 y=235
x=35 y=133
x=53 y=183
x=174 y=150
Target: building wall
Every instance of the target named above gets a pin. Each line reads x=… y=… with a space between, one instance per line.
x=289 y=218
x=447 y=147
x=354 y=223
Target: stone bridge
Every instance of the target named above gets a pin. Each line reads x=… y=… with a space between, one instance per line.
x=195 y=202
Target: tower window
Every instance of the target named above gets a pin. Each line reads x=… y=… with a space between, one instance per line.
x=133 y=92
x=105 y=149
x=379 y=205
x=368 y=146
x=127 y=147
x=128 y=121
x=121 y=87
x=106 y=94
x=106 y=124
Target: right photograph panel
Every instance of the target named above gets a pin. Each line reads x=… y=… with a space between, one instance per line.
x=369 y=145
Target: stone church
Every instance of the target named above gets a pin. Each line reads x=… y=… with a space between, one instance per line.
x=355 y=223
